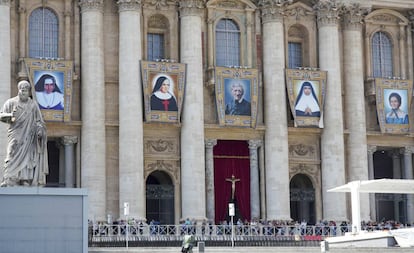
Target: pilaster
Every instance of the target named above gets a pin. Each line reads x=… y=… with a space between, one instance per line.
x=210 y=179
x=408 y=171
x=254 y=179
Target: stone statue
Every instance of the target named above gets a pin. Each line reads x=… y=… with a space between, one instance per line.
x=233 y=181
x=26 y=160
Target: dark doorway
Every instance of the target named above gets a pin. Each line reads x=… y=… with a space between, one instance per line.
x=302 y=199
x=389 y=206
x=52 y=180
x=160 y=198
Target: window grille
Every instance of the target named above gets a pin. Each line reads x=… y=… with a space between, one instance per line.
x=382 y=55
x=43 y=34
x=155 y=46
x=227 y=43
x=295 y=55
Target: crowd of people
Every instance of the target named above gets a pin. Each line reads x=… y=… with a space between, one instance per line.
x=254 y=227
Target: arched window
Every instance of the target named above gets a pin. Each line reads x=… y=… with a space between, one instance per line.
x=295 y=54
x=381 y=55
x=43 y=33
x=157 y=37
x=227 y=43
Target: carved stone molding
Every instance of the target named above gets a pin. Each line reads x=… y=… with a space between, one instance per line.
x=69 y=140
x=371 y=149
x=21 y=10
x=129 y=5
x=301 y=150
x=299 y=13
x=328 y=12
x=5 y=2
x=158 y=21
x=158 y=4
x=312 y=171
x=255 y=144
x=171 y=167
x=273 y=10
x=411 y=16
x=354 y=17
x=210 y=143
x=91 y=5
x=160 y=146
x=409 y=150
x=191 y=7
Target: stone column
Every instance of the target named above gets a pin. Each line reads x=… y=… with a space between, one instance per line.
x=60 y=146
x=402 y=37
x=371 y=150
x=69 y=144
x=93 y=160
x=131 y=174
x=410 y=44
x=254 y=179
x=332 y=139
x=5 y=72
x=396 y=166
x=276 y=135
x=408 y=171
x=210 y=178
x=357 y=160
x=192 y=138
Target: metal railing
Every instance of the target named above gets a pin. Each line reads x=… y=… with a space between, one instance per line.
x=105 y=235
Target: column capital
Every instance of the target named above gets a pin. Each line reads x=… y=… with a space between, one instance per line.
x=5 y=2
x=191 y=7
x=69 y=140
x=408 y=150
x=371 y=149
x=91 y=5
x=354 y=16
x=129 y=5
x=254 y=144
x=210 y=143
x=273 y=10
x=328 y=12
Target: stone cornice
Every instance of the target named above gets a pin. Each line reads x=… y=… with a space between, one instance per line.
x=5 y=2
x=129 y=5
x=91 y=5
x=354 y=17
x=191 y=7
x=328 y=12
x=273 y=10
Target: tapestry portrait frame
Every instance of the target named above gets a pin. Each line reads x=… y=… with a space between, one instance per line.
x=62 y=71
x=151 y=72
x=384 y=88
x=248 y=79
x=295 y=80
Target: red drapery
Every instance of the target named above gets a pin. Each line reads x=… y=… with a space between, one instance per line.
x=231 y=158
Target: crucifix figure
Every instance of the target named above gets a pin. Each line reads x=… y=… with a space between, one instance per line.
x=233 y=181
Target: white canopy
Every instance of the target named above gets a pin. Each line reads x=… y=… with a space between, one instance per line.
x=379 y=186
x=405 y=186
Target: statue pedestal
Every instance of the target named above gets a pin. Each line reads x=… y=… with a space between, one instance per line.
x=45 y=220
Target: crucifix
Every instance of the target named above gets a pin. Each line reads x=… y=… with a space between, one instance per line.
x=233 y=181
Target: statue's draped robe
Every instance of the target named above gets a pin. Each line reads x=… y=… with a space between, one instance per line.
x=27 y=143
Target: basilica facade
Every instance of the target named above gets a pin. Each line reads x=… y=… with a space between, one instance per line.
x=231 y=127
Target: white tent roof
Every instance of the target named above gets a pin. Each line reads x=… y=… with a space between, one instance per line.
x=379 y=186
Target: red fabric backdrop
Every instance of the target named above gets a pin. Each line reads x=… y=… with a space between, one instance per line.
x=231 y=158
